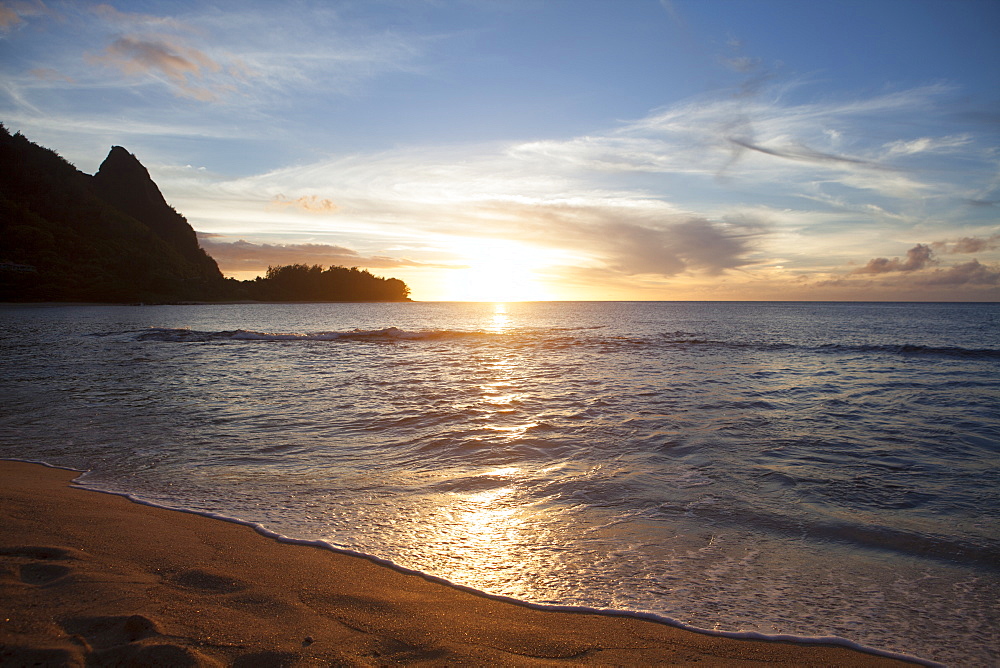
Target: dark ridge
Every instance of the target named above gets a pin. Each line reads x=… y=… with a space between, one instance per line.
x=63 y=237
x=112 y=237
x=124 y=183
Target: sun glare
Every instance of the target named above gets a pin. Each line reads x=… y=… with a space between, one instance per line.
x=500 y=321
x=498 y=271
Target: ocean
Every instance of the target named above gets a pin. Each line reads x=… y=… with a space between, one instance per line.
x=787 y=469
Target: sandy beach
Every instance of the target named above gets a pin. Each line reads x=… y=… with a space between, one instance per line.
x=95 y=579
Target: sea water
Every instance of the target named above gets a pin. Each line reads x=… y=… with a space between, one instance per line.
x=806 y=469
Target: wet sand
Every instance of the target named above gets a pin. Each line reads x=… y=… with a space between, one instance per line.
x=95 y=579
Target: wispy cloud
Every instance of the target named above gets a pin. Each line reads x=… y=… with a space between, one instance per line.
x=230 y=83
x=169 y=50
x=184 y=68
x=15 y=14
x=922 y=145
x=206 y=55
x=8 y=17
x=802 y=154
x=132 y=20
x=795 y=143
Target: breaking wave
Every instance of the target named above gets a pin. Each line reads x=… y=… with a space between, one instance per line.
x=555 y=336
x=387 y=334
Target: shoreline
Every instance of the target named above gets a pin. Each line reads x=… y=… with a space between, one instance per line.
x=77 y=587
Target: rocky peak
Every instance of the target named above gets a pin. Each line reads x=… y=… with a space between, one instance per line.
x=124 y=182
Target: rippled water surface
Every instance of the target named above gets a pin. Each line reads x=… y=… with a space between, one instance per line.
x=807 y=469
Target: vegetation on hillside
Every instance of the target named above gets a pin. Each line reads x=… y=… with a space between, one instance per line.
x=299 y=282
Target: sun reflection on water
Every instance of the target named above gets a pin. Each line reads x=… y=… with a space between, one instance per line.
x=503 y=390
x=500 y=322
x=484 y=528
x=488 y=532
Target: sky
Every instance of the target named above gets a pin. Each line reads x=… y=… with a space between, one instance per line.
x=504 y=150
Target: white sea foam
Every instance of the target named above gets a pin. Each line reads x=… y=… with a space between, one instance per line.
x=264 y=531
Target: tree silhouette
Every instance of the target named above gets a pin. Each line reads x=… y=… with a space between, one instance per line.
x=300 y=282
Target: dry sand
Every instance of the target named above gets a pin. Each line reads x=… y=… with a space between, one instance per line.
x=94 y=579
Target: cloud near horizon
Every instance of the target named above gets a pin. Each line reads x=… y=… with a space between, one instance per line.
x=917 y=258
x=919 y=267
x=968 y=245
x=966 y=273
x=641 y=238
x=244 y=256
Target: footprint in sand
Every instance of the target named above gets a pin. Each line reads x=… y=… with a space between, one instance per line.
x=39 y=569
x=42 y=574
x=209 y=582
x=38 y=552
x=112 y=630
x=131 y=640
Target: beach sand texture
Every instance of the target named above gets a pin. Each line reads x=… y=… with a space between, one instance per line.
x=94 y=579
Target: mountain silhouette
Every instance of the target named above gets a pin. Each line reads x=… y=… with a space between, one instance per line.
x=112 y=237
x=123 y=182
x=68 y=236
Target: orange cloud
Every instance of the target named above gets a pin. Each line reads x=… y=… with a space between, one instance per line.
x=13 y=13
x=311 y=203
x=8 y=17
x=135 y=56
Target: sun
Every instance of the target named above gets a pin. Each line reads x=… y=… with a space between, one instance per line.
x=498 y=271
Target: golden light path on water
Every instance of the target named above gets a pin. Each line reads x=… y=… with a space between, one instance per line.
x=486 y=532
x=501 y=320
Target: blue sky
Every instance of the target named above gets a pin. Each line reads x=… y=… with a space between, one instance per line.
x=521 y=149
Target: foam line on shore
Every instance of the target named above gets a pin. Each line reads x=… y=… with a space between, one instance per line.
x=739 y=635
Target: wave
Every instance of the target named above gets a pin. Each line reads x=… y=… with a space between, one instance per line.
x=977 y=552
x=681 y=339
x=561 y=337
x=386 y=334
x=917 y=350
